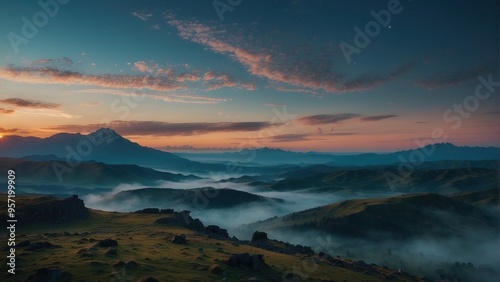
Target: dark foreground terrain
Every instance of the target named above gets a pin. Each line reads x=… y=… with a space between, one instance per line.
x=61 y=240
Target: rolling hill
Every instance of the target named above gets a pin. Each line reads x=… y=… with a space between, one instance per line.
x=429 y=177
x=199 y=198
x=398 y=218
x=108 y=246
x=85 y=174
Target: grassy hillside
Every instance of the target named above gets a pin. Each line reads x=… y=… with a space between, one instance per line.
x=423 y=179
x=199 y=198
x=144 y=248
x=480 y=198
x=401 y=217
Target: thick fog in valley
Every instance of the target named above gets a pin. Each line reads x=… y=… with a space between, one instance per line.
x=423 y=255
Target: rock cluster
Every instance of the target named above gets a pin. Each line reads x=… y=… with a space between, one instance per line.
x=254 y=262
x=64 y=210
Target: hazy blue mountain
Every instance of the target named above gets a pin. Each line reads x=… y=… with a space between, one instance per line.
x=103 y=145
x=429 y=153
x=85 y=174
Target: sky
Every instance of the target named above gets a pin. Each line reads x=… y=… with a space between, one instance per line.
x=336 y=76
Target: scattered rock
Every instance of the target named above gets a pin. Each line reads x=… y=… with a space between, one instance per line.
x=255 y=262
x=179 y=239
x=48 y=275
x=216 y=269
x=40 y=245
x=119 y=263
x=106 y=243
x=217 y=231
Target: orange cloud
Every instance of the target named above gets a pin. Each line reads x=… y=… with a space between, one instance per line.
x=55 y=76
x=278 y=66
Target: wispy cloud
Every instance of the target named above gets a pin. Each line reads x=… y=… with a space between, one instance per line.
x=56 y=76
x=326 y=118
x=216 y=81
x=158 y=128
x=47 y=112
x=289 y=137
x=273 y=105
x=143 y=15
x=181 y=148
x=6 y=111
x=59 y=62
x=8 y=130
x=443 y=79
x=29 y=103
x=315 y=71
x=377 y=118
x=186 y=98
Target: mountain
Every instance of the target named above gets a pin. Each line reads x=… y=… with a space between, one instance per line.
x=443 y=177
x=85 y=174
x=429 y=153
x=103 y=145
x=198 y=198
x=261 y=156
x=396 y=218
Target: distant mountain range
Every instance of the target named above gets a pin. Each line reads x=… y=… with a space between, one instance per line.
x=103 y=145
x=429 y=153
x=86 y=174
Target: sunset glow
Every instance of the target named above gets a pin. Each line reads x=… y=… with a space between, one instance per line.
x=181 y=77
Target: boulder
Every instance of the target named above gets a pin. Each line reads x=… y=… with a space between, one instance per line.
x=48 y=275
x=233 y=260
x=216 y=230
x=259 y=236
x=40 y=245
x=255 y=262
x=179 y=239
x=216 y=269
x=107 y=243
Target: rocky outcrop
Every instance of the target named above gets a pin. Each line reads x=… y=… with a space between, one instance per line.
x=254 y=262
x=155 y=211
x=48 y=274
x=179 y=239
x=259 y=236
x=216 y=231
x=52 y=209
x=107 y=243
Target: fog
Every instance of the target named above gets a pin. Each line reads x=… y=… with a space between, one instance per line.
x=431 y=257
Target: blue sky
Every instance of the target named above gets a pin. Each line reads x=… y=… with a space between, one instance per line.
x=173 y=73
